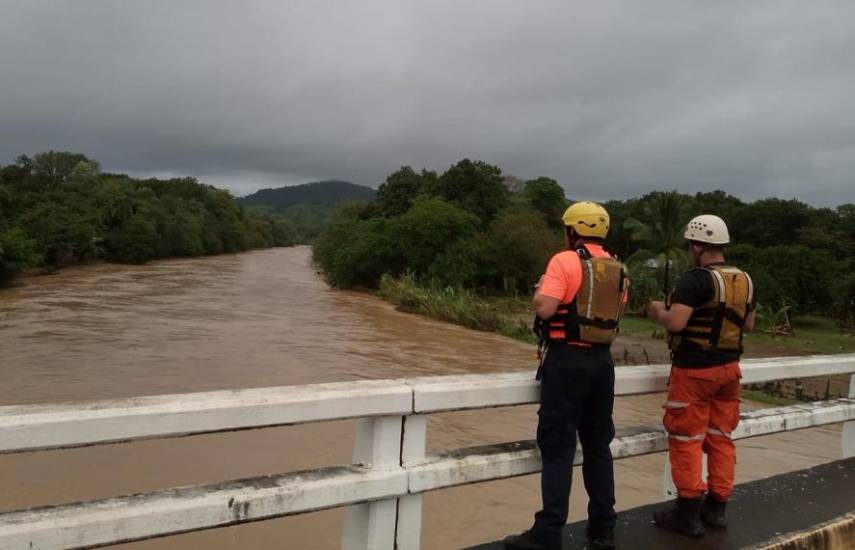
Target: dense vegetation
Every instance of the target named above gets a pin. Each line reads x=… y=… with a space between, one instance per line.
x=58 y=208
x=307 y=208
x=799 y=256
x=468 y=229
x=462 y=228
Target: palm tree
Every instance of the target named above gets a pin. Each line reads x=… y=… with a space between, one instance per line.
x=660 y=235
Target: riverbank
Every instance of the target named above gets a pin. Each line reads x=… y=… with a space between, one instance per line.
x=641 y=341
x=34 y=273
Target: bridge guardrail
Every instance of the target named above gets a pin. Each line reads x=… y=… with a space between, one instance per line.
x=390 y=469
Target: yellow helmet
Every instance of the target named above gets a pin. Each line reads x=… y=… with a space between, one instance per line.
x=589 y=219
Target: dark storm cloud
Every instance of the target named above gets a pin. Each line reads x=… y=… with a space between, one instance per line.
x=613 y=99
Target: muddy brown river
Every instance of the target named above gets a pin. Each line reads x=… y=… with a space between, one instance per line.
x=265 y=319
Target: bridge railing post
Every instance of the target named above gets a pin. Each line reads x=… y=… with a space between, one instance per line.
x=371 y=526
x=409 y=527
x=849 y=427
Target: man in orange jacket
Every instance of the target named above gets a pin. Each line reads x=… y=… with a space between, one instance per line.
x=706 y=315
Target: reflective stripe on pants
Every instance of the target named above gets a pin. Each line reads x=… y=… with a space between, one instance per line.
x=701 y=412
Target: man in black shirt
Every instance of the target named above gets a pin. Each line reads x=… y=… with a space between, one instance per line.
x=706 y=315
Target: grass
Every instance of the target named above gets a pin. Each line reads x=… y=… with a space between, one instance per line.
x=511 y=316
x=812 y=335
x=461 y=307
x=640 y=326
x=763 y=397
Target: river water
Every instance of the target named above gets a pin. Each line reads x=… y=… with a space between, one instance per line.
x=266 y=318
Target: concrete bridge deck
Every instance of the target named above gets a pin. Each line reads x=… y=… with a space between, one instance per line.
x=761 y=513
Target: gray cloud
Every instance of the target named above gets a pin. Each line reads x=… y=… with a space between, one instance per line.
x=613 y=99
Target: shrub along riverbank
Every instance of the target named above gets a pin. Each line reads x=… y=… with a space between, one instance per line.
x=503 y=315
x=466 y=246
x=472 y=228
x=58 y=208
x=641 y=340
x=511 y=316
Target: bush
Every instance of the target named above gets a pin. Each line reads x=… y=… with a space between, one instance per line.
x=468 y=263
x=136 y=243
x=644 y=286
x=356 y=253
x=844 y=299
x=431 y=225
x=454 y=305
x=792 y=273
x=17 y=252
x=522 y=245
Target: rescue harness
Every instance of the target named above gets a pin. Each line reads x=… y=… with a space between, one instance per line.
x=720 y=323
x=593 y=315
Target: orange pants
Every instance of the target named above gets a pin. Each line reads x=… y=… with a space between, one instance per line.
x=701 y=412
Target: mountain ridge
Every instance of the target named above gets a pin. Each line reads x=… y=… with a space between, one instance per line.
x=325 y=192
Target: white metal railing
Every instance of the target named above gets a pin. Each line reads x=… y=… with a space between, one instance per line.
x=390 y=469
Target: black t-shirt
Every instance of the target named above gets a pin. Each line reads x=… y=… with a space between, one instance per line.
x=694 y=289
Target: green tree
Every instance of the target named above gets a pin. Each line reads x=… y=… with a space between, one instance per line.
x=846 y=217
x=522 y=244
x=789 y=272
x=718 y=203
x=659 y=233
x=66 y=229
x=428 y=228
x=769 y=222
x=354 y=210
x=619 y=239
x=475 y=186
x=396 y=195
x=5 y=203
x=356 y=253
x=182 y=228
x=73 y=213
x=17 y=252
x=284 y=232
x=470 y=262
x=55 y=167
x=137 y=242
x=844 y=299
x=547 y=197
x=645 y=286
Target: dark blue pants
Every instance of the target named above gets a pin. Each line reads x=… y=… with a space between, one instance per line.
x=577 y=395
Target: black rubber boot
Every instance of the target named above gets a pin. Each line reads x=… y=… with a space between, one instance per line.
x=600 y=537
x=684 y=517
x=713 y=512
x=523 y=541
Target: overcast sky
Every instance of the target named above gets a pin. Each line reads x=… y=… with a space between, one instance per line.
x=613 y=99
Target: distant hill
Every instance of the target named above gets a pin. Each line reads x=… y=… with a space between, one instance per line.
x=307 y=207
x=323 y=193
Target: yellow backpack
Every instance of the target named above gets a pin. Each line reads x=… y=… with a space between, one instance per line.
x=593 y=316
x=719 y=324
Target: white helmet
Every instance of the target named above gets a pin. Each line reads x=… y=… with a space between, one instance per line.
x=707 y=229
